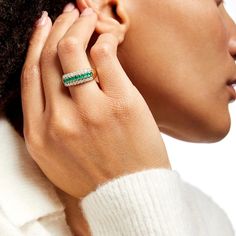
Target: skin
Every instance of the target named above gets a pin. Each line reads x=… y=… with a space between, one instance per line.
x=187 y=57
x=197 y=32
x=84 y=136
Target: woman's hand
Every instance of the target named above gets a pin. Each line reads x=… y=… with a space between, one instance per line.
x=84 y=135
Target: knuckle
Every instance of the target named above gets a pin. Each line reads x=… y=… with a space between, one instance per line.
x=34 y=40
x=49 y=53
x=61 y=19
x=54 y=132
x=30 y=70
x=28 y=73
x=101 y=50
x=60 y=128
x=121 y=106
x=68 y=45
x=124 y=107
x=93 y=118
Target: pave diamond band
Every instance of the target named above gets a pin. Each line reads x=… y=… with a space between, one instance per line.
x=78 y=77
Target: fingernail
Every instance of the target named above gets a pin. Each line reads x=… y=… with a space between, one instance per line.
x=43 y=19
x=69 y=7
x=87 y=11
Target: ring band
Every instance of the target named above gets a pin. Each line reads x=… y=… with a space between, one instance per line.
x=78 y=77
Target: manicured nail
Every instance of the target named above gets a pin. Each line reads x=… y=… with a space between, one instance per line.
x=43 y=19
x=69 y=7
x=87 y=11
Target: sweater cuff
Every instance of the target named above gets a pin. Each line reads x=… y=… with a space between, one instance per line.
x=148 y=202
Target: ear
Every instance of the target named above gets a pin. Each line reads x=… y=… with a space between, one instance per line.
x=112 y=16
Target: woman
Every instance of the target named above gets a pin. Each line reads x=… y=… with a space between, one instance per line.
x=114 y=119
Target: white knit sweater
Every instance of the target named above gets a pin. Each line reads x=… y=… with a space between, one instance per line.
x=152 y=202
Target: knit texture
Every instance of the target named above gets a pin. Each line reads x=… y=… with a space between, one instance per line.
x=152 y=202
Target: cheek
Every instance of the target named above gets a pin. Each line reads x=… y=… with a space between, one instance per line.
x=175 y=65
x=181 y=44
x=194 y=38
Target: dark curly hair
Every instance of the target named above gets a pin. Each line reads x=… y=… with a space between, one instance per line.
x=17 y=19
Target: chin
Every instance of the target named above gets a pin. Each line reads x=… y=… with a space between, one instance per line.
x=213 y=130
x=218 y=132
x=218 y=127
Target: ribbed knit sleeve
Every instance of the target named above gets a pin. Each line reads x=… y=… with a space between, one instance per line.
x=153 y=202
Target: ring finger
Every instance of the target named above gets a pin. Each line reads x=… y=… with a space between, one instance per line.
x=73 y=45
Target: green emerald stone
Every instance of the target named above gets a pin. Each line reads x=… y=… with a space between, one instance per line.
x=76 y=77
